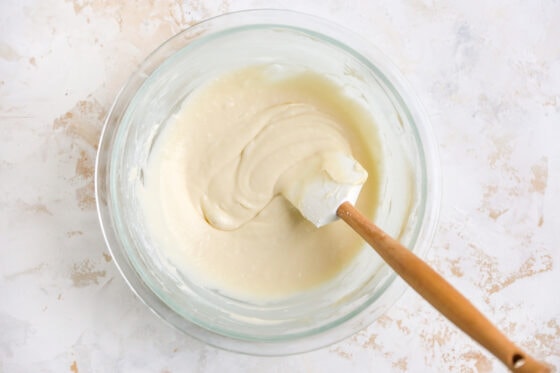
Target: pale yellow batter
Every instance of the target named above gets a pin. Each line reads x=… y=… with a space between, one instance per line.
x=212 y=192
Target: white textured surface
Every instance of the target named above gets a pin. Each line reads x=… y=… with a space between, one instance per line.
x=489 y=76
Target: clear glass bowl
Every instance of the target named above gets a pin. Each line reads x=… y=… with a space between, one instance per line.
x=410 y=185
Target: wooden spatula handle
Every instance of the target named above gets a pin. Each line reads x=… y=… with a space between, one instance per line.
x=440 y=294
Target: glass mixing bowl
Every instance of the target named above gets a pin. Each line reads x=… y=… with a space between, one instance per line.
x=409 y=188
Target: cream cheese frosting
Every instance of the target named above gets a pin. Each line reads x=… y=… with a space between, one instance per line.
x=213 y=191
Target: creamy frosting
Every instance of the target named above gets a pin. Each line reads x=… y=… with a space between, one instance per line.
x=213 y=189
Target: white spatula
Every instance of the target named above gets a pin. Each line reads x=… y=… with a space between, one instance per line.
x=322 y=199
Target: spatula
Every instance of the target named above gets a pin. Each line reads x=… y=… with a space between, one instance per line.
x=323 y=198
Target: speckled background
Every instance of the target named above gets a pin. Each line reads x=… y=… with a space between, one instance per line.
x=488 y=74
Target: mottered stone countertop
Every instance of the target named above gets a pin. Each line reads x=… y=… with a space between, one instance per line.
x=488 y=74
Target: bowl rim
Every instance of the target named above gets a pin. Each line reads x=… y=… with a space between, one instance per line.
x=431 y=194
